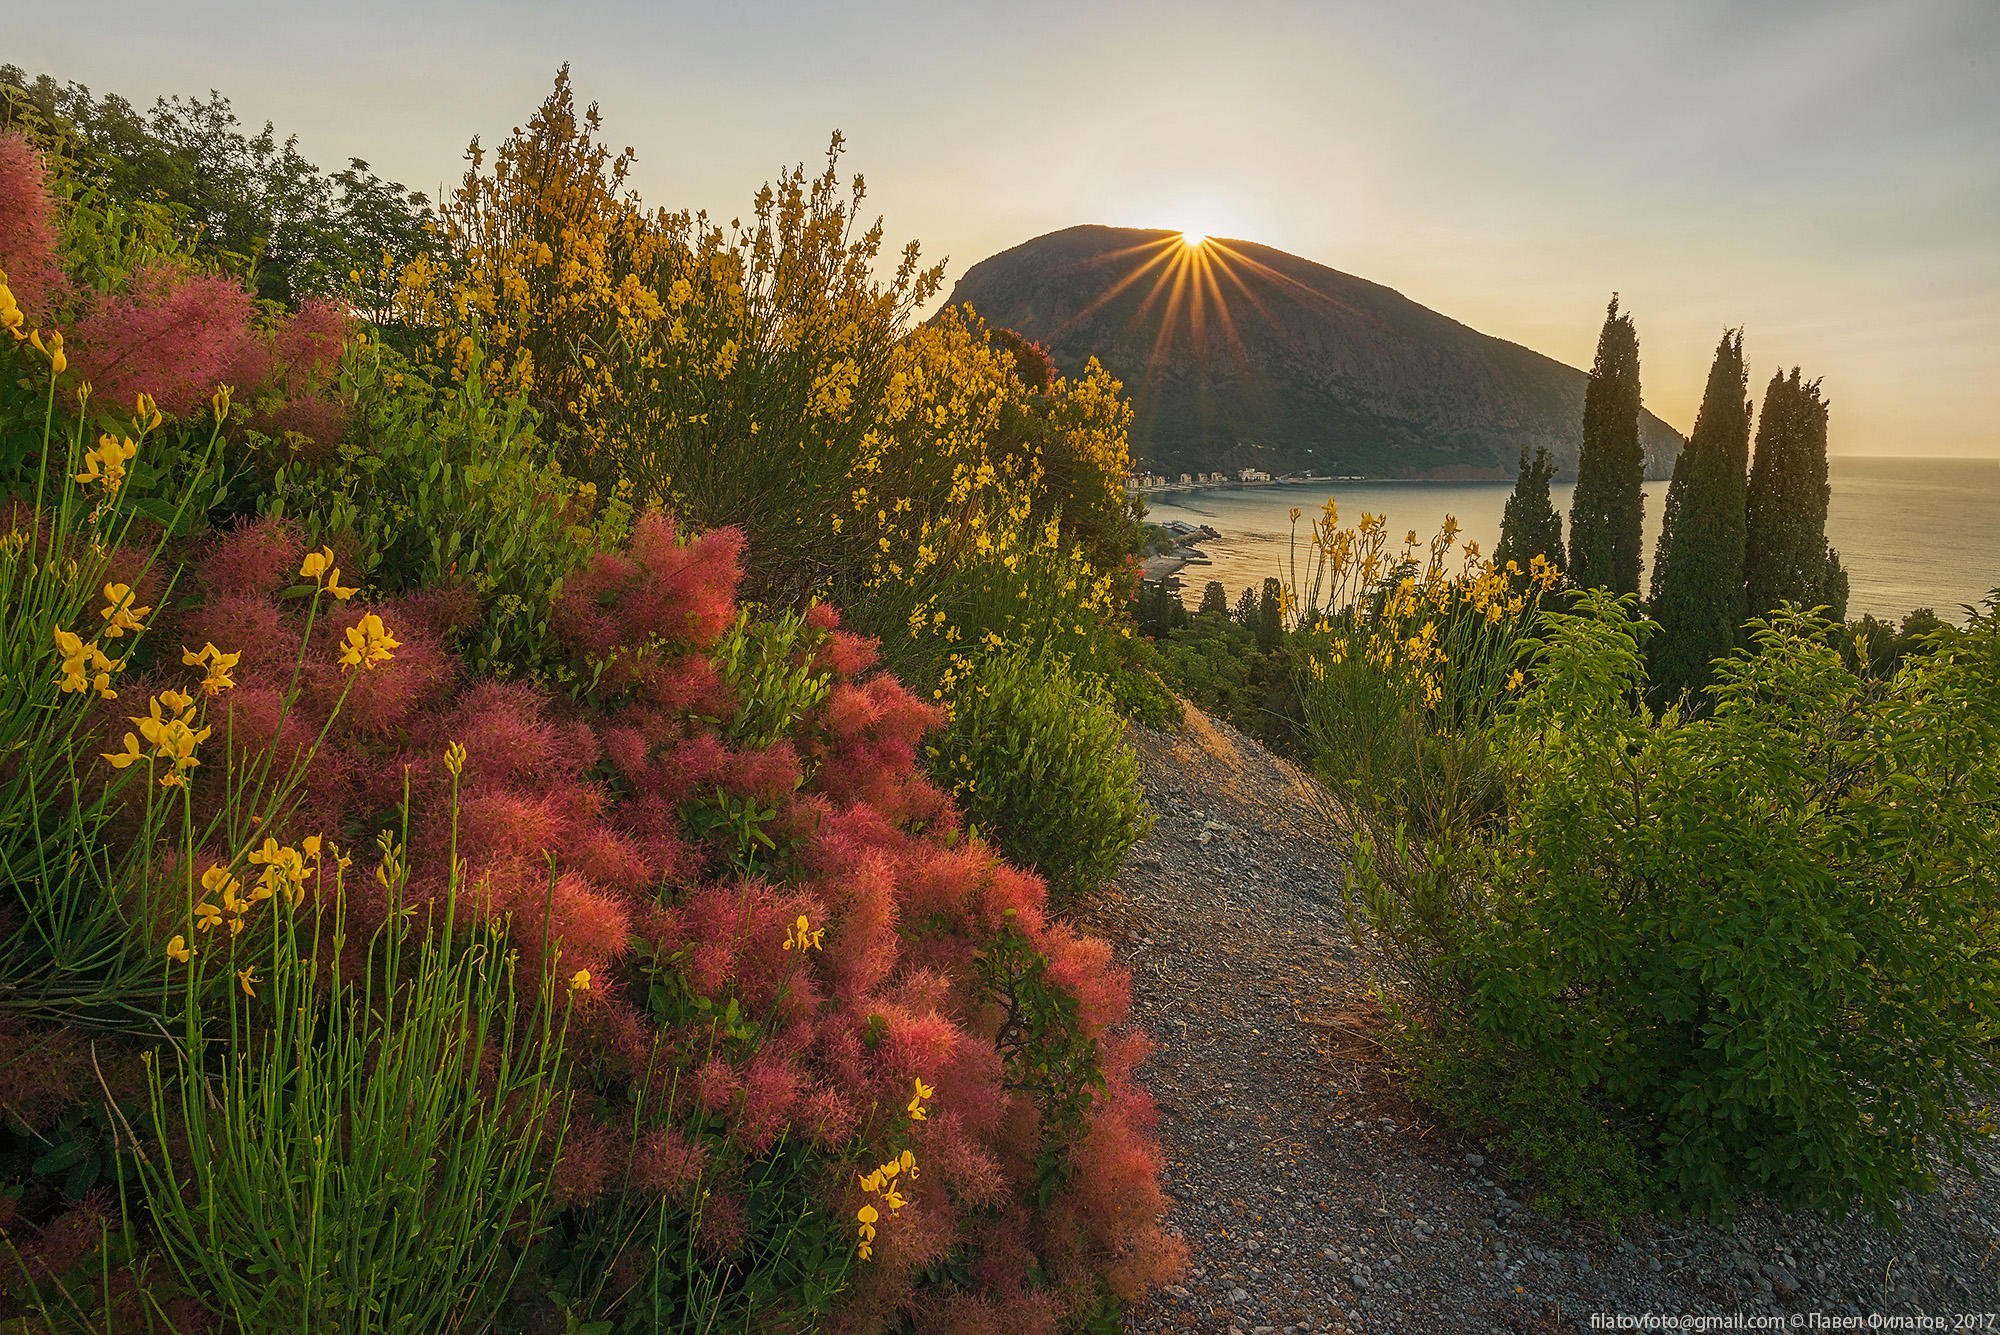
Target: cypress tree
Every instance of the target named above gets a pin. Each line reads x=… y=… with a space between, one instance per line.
x=1270 y=617
x=1605 y=517
x=1215 y=598
x=1786 y=556
x=1530 y=526
x=1697 y=592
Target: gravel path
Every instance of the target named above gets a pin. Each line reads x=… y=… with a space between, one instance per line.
x=1314 y=1197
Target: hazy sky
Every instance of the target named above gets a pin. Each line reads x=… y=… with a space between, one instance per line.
x=1825 y=172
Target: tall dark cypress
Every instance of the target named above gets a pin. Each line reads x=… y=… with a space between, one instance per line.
x=1698 y=566
x=1606 y=515
x=1786 y=556
x=1271 y=617
x=1530 y=526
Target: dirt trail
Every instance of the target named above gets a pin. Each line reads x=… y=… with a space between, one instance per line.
x=1314 y=1197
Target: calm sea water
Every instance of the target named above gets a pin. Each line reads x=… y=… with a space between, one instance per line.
x=1912 y=532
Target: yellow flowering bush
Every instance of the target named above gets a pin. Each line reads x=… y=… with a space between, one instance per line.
x=765 y=376
x=540 y=280
x=1403 y=654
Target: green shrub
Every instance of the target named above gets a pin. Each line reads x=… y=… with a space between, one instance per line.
x=1037 y=757
x=366 y=1161
x=1215 y=663
x=445 y=486
x=1759 y=943
x=1372 y=741
x=1581 y=1161
x=1138 y=687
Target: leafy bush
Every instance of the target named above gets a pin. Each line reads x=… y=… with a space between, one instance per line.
x=251 y=202
x=1401 y=659
x=1215 y=663
x=443 y=486
x=1138 y=687
x=1036 y=753
x=1758 y=944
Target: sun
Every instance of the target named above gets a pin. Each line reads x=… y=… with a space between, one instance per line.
x=1194 y=238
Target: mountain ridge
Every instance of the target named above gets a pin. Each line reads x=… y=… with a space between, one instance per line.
x=1240 y=355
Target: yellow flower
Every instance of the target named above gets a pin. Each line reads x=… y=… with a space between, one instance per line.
x=916 y=1104
x=218 y=880
x=865 y=1220
x=1514 y=680
x=11 y=317
x=119 y=614
x=454 y=759
x=84 y=666
x=219 y=402
x=145 y=413
x=217 y=664
x=53 y=350
x=580 y=981
x=246 y=979
x=319 y=567
x=171 y=736
x=105 y=464
x=178 y=949
x=803 y=936
x=368 y=644
x=286 y=870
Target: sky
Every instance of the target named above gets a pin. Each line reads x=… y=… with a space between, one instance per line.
x=1825 y=173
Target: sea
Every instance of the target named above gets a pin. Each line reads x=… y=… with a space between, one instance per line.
x=1911 y=532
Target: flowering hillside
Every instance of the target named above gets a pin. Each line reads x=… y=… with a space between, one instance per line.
x=397 y=805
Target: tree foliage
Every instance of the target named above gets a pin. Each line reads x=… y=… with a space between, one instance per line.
x=1786 y=556
x=250 y=200
x=1530 y=526
x=1609 y=507
x=1697 y=594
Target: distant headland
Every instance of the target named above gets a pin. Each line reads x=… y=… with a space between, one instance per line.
x=1238 y=357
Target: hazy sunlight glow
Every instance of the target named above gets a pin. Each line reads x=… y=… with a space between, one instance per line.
x=1193 y=239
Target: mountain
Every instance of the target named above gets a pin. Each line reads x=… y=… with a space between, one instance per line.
x=1237 y=355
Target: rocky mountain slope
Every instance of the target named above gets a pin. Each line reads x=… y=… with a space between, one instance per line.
x=1239 y=355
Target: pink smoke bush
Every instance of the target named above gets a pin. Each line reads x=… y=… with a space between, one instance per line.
x=170 y=331
x=28 y=230
x=587 y=830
